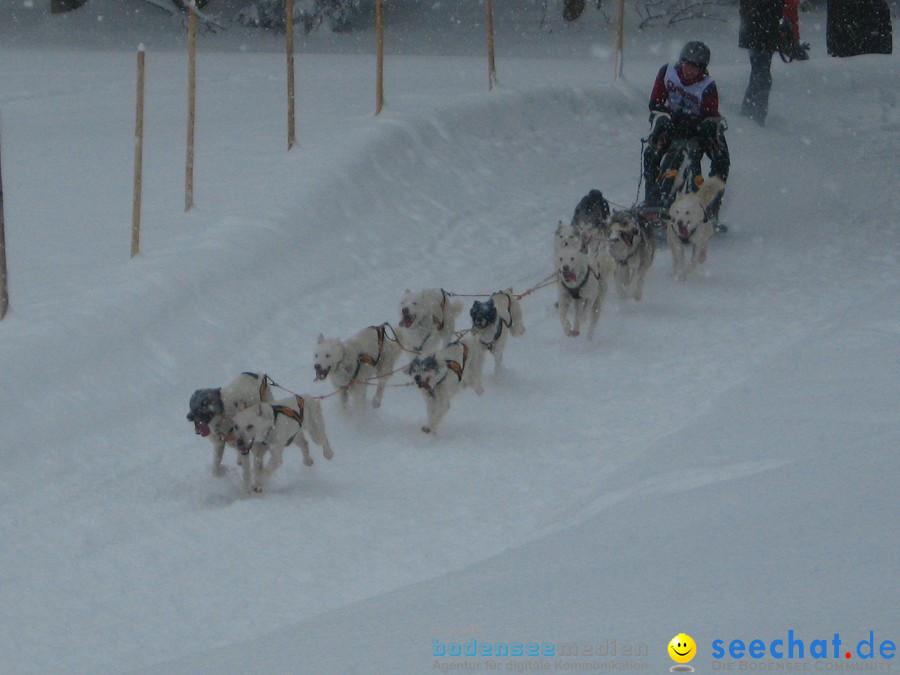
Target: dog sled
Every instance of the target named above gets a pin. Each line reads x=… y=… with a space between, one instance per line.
x=679 y=169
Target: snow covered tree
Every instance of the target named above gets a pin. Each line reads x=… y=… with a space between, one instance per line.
x=61 y=6
x=652 y=12
x=311 y=14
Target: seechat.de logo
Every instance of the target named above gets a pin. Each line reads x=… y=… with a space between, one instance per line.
x=797 y=648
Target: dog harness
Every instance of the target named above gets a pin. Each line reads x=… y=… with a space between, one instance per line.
x=296 y=415
x=439 y=323
x=490 y=345
x=576 y=291
x=456 y=366
x=366 y=358
x=263 y=386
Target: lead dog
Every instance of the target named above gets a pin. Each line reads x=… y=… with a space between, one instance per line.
x=494 y=320
x=689 y=223
x=632 y=247
x=212 y=411
x=427 y=319
x=440 y=375
x=370 y=354
x=270 y=428
x=582 y=284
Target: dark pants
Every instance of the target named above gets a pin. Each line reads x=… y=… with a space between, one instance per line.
x=711 y=135
x=756 y=98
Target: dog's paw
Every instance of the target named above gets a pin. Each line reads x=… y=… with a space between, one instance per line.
x=219 y=471
x=427 y=430
x=328 y=454
x=479 y=390
x=257 y=488
x=307 y=461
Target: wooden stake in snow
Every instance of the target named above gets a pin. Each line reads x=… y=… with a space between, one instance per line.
x=138 y=156
x=379 y=55
x=489 y=23
x=192 y=78
x=620 y=39
x=4 y=292
x=289 y=31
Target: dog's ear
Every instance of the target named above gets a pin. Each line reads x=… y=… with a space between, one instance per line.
x=559 y=227
x=321 y=339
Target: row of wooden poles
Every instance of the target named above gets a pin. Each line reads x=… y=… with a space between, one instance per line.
x=291 y=101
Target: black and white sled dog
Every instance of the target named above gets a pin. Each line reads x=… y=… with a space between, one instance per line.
x=427 y=319
x=582 y=281
x=212 y=411
x=588 y=229
x=591 y=220
x=689 y=223
x=352 y=364
x=494 y=320
x=270 y=427
x=440 y=375
x=632 y=247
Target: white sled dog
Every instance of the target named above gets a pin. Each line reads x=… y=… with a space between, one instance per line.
x=582 y=284
x=427 y=319
x=494 y=320
x=352 y=364
x=689 y=223
x=442 y=374
x=632 y=247
x=212 y=411
x=270 y=428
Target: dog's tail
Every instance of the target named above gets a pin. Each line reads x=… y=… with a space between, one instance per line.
x=711 y=188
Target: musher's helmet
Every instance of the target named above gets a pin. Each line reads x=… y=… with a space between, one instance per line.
x=695 y=52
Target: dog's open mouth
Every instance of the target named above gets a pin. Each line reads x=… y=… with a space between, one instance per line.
x=569 y=275
x=322 y=373
x=628 y=238
x=683 y=231
x=422 y=383
x=407 y=319
x=201 y=428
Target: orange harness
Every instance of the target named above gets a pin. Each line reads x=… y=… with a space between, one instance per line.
x=296 y=415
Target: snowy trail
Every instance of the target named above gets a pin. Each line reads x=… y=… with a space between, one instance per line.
x=111 y=485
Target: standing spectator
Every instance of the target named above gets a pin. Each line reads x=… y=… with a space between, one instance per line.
x=759 y=34
x=798 y=51
x=858 y=27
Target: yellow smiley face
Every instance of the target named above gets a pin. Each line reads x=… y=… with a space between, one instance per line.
x=682 y=648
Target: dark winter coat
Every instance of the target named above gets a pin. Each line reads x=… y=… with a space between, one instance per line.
x=759 y=25
x=858 y=27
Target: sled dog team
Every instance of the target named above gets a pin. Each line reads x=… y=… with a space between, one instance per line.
x=245 y=416
x=597 y=248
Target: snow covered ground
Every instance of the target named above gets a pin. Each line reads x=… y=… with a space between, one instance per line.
x=720 y=461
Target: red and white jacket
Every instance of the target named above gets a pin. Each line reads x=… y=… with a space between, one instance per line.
x=683 y=98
